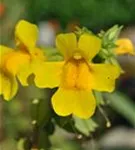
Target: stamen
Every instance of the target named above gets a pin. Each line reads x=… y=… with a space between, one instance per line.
x=108 y=123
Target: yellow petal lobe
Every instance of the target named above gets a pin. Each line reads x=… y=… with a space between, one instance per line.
x=48 y=74
x=8 y=86
x=26 y=34
x=66 y=44
x=89 y=45
x=104 y=76
x=79 y=103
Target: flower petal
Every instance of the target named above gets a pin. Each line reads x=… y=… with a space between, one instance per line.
x=85 y=104
x=125 y=46
x=8 y=85
x=24 y=73
x=89 y=45
x=104 y=76
x=63 y=101
x=3 y=53
x=38 y=54
x=66 y=43
x=15 y=61
x=48 y=74
x=4 y=50
x=26 y=34
x=80 y=103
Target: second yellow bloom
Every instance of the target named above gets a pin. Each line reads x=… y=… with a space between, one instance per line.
x=77 y=76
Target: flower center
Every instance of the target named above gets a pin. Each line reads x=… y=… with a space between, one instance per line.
x=76 y=75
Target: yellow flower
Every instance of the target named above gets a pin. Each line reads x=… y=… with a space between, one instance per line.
x=76 y=77
x=19 y=62
x=125 y=46
x=9 y=65
x=26 y=35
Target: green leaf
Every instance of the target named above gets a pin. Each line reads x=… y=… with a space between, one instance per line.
x=85 y=126
x=123 y=105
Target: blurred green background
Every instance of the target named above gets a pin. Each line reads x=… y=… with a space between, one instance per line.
x=63 y=16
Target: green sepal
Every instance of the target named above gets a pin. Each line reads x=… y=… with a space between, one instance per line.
x=110 y=36
x=109 y=39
